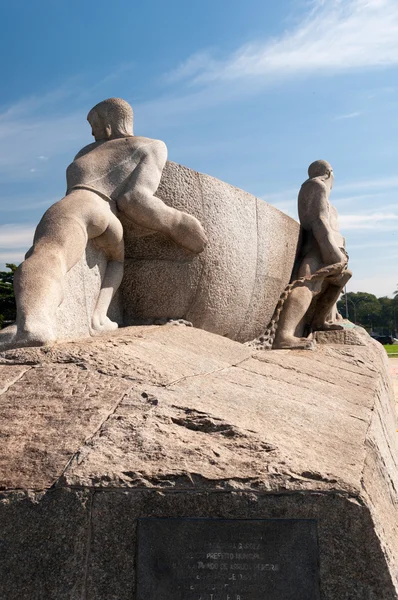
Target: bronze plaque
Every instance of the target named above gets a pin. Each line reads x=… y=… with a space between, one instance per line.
x=217 y=559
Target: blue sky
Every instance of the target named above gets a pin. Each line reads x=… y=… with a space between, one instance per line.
x=249 y=92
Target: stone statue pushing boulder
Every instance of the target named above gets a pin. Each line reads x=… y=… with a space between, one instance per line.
x=309 y=303
x=118 y=172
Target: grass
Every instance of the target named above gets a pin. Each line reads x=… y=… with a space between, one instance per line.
x=391 y=349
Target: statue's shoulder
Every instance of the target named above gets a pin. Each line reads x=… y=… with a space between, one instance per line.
x=86 y=149
x=312 y=201
x=135 y=144
x=314 y=185
x=313 y=190
x=147 y=146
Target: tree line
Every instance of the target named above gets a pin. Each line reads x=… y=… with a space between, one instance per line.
x=8 y=309
x=379 y=315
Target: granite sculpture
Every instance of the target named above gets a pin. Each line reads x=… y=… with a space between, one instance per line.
x=118 y=172
x=308 y=303
x=231 y=288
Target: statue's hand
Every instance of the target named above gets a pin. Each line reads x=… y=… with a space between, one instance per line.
x=188 y=233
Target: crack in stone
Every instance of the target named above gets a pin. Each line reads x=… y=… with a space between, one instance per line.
x=9 y=385
x=205 y=374
x=270 y=376
x=259 y=358
x=58 y=482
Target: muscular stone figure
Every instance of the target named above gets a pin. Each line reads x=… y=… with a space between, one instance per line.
x=321 y=266
x=118 y=171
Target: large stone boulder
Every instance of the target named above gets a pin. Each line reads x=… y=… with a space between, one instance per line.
x=177 y=422
x=231 y=289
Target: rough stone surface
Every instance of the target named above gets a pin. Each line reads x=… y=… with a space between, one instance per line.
x=232 y=287
x=176 y=422
x=355 y=336
x=43 y=545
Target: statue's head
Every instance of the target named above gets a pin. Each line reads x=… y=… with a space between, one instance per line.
x=323 y=169
x=112 y=118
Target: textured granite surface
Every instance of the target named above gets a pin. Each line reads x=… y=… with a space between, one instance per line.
x=231 y=288
x=177 y=422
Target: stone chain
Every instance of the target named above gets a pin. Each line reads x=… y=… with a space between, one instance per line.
x=266 y=340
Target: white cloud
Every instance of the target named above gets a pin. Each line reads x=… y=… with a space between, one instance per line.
x=367 y=245
x=17 y=236
x=15 y=257
x=382 y=183
x=192 y=66
x=352 y=115
x=381 y=221
x=381 y=285
x=335 y=36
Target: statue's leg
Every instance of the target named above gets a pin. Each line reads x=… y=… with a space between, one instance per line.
x=294 y=319
x=142 y=207
x=111 y=242
x=326 y=303
x=290 y=328
x=39 y=280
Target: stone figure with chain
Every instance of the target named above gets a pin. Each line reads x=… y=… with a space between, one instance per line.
x=309 y=303
x=118 y=172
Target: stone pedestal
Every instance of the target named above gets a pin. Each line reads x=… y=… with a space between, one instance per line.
x=177 y=422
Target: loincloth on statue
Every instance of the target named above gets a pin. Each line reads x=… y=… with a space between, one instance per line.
x=82 y=186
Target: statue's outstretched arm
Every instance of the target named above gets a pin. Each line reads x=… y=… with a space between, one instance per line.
x=138 y=202
x=142 y=207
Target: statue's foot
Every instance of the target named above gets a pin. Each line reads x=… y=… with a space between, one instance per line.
x=189 y=234
x=7 y=335
x=294 y=343
x=102 y=324
x=12 y=337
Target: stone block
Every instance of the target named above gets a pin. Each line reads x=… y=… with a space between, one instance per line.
x=233 y=287
x=43 y=545
x=175 y=422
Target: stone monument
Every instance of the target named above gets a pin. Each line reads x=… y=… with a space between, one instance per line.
x=308 y=303
x=118 y=172
x=151 y=463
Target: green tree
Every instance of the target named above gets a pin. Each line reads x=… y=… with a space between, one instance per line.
x=8 y=309
x=363 y=308
x=375 y=314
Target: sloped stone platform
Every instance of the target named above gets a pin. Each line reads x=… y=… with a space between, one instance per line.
x=177 y=422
